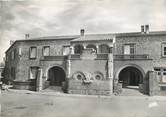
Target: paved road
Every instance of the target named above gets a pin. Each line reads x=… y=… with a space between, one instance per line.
x=39 y=105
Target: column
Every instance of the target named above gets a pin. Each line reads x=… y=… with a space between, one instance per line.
x=71 y=50
x=97 y=47
x=84 y=46
x=110 y=71
x=68 y=66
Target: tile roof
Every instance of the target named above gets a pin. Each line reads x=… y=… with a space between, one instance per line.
x=94 y=37
x=140 y=34
x=53 y=38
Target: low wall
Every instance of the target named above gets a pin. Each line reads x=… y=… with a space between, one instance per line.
x=93 y=88
x=24 y=85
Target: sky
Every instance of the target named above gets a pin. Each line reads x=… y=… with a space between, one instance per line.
x=66 y=17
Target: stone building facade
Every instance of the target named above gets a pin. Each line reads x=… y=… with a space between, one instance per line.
x=99 y=64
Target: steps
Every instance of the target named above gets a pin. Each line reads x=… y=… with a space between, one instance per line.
x=57 y=89
x=131 y=91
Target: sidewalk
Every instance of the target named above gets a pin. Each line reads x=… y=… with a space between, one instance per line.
x=59 y=94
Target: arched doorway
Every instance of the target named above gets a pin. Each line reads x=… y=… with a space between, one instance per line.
x=104 y=48
x=56 y=76
x=92 y=46
x=78 y=49
x=130 y=76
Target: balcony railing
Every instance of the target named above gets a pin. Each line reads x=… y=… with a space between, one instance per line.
x=102 y=56
x=75 y=56
x=49 y=58
x=132 y=57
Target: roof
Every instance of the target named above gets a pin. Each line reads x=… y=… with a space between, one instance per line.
x=52 y=38
x=94 y=37
x=132 y=34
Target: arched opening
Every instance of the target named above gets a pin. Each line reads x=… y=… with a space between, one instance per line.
x=130 y=76
x=104 y=48
x=92 y=46
x=56 y=76
x=78 y=49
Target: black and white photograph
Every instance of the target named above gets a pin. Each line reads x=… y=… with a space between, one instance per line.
x=83 y=58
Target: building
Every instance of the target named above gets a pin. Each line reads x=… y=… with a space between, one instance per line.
x=99 y=64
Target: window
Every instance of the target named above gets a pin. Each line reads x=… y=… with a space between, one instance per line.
x=12 y=55
x=93 y=47
x=164 y=49
x=78 y=49
x=104 y=48
x=33 y=52
x=13 y=73
x=19 y=51
x=33 y=72
x=7 y=58
x=129 y=49
x=46 y=51
x=66 y=50
x=161 y=74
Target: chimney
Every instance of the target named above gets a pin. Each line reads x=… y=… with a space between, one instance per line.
x=82 y=31
x=26 y=36
x=147 y=29
x=142 y=29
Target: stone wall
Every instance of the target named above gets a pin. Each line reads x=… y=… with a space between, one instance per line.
x=94 y=88
x=155 y=88
x=89 y=76
x=22 y=63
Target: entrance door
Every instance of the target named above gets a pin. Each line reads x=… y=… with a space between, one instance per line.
x=56 y=76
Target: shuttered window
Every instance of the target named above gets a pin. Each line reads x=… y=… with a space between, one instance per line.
x=33 y=52
x=46 y=51
x=33 y=72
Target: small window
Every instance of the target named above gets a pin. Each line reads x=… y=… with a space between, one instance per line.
x=158 y=73
x=129 y=49
x=13 y=73
x=33 y=52
x=157 y=69
x=164 y=51
x=12 y=55
x=66 y=50
x=33 y=72
x=19 y=51
x=164 y=73
x=7 y=58
x=46 y=51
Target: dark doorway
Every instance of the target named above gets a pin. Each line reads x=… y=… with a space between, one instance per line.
x=130 y=76
x=56 y=75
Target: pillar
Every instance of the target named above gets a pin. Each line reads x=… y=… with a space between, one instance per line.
x=110 y=71
x=84 y=46
x=39 y=82
x=71 y=50
x=68 y=67
x=97 y=47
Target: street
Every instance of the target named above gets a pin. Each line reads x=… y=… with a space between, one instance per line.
x=39 y=105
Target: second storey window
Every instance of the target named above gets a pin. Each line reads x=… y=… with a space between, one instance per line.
x=46 y=51
x=12 y=55
x=164 y=49
x=66 y=50
x=129 y=49
x=33 y=72
x=33 y=52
